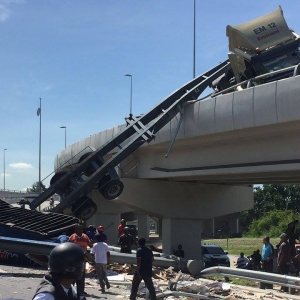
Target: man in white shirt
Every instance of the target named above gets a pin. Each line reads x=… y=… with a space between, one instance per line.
x=101 y=253
x=242 y=261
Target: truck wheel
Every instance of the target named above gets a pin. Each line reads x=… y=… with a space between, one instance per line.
x=84 y=208
x=112 y=189
x=56 y=177
x=88 y=172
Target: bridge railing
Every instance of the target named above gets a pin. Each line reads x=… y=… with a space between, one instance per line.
x=255 y=80
x=14 y=191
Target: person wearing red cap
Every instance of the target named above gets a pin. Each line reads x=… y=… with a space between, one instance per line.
x=101 y=233
x=121 y=227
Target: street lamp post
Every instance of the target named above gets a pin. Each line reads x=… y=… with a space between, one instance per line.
x=64 y=127
x=194 y=44
x=39 y=114
x=130 y=112
x=4 y=169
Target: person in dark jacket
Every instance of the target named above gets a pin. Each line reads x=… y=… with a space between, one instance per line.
x=179 y=252
x=66 y=263
x=144 y=257
x=126 y=241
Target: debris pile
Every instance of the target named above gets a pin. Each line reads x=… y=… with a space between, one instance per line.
x=164 y=274
x=168 y=280
x=126 y=268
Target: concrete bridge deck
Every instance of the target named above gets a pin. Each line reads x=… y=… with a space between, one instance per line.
x=249 y=136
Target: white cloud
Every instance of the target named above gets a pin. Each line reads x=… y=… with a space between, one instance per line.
x=4 y=13
x=4 y=8
x=6 y=175
x=21 y=165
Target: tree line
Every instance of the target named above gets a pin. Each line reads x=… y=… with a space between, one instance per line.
x=275 y=205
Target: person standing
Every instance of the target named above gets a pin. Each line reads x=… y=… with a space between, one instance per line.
x=91 y=232
x=66 y=263
x=100 y=230
x=284 y=257
x=101 y=254
x=256 y=259
x=144 y=257
x=121 y=228
x=126 y=241
x=51 y=201
x=82 y=240
x=267 y=255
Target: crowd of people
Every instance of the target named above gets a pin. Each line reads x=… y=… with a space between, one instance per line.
x=67 y=263
x=285 y=255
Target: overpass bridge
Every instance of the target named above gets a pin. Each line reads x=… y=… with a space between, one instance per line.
x=14 y=196
x=224 y=145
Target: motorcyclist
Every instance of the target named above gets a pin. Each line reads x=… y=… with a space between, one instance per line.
x=65 y=266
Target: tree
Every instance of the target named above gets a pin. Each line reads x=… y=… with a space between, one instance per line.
x=35 y=188
x=272 y=224
x=272 y=197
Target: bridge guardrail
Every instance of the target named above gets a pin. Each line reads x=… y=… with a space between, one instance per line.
x=248 y=82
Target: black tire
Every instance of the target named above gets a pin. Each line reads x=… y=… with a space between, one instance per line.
x=84 y=208
x=63 y=191
x=56 y=177
x=84 y=156
x=112 y=189
x=88 y=172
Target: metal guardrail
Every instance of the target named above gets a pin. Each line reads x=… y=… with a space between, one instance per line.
x=271 y=278
x=249 y=82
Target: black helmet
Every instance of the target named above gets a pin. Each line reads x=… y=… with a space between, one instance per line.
x=66 y=260
x=126 y=229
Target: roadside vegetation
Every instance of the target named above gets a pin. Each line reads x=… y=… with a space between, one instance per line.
x=275 y=205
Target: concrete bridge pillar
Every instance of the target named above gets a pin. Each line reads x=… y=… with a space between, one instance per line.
x=186 y=232
x=143 y=226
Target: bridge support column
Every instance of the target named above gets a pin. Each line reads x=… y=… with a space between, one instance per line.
x=186 y=232
x=143 y=226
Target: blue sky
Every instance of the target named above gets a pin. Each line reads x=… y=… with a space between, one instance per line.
x=74 y=54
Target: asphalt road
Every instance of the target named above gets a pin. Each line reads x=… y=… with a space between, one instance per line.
x=18 y=283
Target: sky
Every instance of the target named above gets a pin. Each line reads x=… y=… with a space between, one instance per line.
x=73 y=54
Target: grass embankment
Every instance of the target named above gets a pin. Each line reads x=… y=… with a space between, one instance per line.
x=238 y=245
x=235 y=247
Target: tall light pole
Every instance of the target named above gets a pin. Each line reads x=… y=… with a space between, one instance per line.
x=194 y=46
x=65 y=135
x=39 y=113
x=130 y=112
x=4 y=169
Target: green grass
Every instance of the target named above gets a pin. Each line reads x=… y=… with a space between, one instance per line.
x=238 y=245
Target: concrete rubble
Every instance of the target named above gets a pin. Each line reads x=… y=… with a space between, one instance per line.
x=120 y=277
